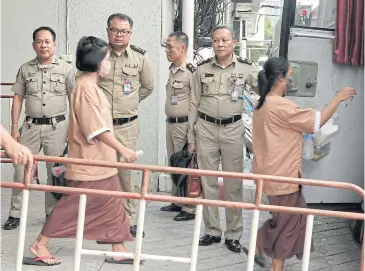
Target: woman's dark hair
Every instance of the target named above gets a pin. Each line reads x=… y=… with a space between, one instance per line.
x=90 y=53
x=273 y=68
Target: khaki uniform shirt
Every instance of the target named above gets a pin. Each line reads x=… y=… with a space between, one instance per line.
x=132 y=70
x=46 y=87
x=90 y=116
x=277 y=140
x=212 y=89
x=179 y=86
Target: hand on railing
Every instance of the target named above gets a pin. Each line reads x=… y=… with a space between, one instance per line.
x=130 y=156
x=19 y=154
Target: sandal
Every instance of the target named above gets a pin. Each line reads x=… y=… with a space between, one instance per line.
x=259 y=259
x=124 y=261
x=38 y=261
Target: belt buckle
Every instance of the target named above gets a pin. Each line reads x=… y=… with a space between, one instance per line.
x=35 y=121
x=220 y=121
x=177 y=120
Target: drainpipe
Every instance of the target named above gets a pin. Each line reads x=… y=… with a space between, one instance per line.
x=188 y=26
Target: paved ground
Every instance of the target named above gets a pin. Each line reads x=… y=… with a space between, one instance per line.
x=335 y=248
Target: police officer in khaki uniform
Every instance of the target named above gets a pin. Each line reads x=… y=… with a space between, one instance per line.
x=178 y=91
x=47 y=82
x=128 y=83
x=217 y=131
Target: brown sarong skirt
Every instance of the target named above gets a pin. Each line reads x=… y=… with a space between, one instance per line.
x=105 y=217
x=282 y=236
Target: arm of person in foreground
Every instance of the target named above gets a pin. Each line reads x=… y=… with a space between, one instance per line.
x=345 y=93
x=17 y=152
x=108 y=139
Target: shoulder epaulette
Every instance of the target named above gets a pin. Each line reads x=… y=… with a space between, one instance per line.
x=205 y=61
x=137 y=49
x=244 y=60
x=190 y=67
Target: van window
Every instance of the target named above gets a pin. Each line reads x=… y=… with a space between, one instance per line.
x=316 y=14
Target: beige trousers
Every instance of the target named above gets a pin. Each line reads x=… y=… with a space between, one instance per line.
x=36 y=138
x=213 y=143
x=127 y=134
x=176 y=138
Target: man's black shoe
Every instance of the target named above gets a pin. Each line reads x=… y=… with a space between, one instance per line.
x=171 y=208
x=233 y=245
x=184 y=216
x=134 y=231
x=12 y=223
x=208 y=240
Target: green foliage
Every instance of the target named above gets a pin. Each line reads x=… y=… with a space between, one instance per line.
x=268 y=30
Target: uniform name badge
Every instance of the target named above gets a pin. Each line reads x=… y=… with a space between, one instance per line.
x=174 y=99
x=234 y=95
x=127 y=87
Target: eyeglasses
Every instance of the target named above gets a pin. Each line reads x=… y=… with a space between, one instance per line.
x=123 y=32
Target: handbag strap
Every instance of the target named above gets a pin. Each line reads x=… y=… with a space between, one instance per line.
x=66 y=150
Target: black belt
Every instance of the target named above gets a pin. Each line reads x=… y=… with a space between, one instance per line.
x=177 y=120
x=42 y=121
x=122 y=121
x=220 y=121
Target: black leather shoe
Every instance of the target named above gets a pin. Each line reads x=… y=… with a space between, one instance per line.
x=233 y=245
x=171 y=208
x=208 y=240
x=184 y=216
x=134 y=231
x=12 y=223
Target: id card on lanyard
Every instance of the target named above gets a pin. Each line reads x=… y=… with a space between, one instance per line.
x=127 y=87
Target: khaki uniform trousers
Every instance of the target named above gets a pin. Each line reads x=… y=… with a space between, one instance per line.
x=36 y=138
x=127 y=134
x=226 y=142
x=176 y=138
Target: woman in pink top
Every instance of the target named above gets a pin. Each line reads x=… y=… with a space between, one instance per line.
x=90 y=136
x=277 y=125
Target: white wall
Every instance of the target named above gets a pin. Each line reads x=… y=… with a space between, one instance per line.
x=346 y=159
x=20 y=18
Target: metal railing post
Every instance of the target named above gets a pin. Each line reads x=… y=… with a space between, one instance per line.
x=254 y=227
x=196 y=235
x=23 y=220
x=22 y=229
x=140 y=223
x=307 y=243
x=80 y=232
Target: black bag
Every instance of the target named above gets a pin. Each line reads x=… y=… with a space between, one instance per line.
x=61 y=180
x=180 y=159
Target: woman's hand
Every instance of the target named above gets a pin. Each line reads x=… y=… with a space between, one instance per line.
x=19 y=154
x=345 y=93
x=129 y=156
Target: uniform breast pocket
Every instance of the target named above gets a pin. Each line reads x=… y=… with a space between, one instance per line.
x=31 y=85
x=58 y=84
x=132 y=75
x=208 y=85
x=178 y=87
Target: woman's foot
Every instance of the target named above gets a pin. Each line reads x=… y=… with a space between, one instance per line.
x=259 y=256
x=119 y=248
x=119 y=260
x=41 y=252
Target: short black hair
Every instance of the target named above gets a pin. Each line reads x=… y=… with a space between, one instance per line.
x=90 y=53
x=46 y=28
x=120 y=16
x=222 y=27
x=181 y=36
